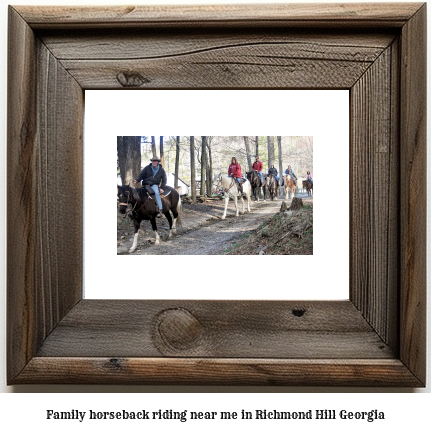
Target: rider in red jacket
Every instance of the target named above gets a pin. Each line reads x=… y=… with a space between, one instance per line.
x=258 y=166
x=235 y=171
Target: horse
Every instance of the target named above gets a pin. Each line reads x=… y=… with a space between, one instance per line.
x=308 y=185
x=230 y=189
x=144 y=208
x=290 y=186
x=271 y=184
x=265 y=186
x=254 y=178
x=281 y=186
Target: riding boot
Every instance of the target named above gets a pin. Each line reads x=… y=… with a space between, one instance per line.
x=159 y=214
x=241 y=191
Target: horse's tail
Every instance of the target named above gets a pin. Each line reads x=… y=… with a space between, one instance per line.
x=179 y=208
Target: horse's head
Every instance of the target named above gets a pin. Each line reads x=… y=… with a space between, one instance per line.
x=217 y=180
x=124 y=198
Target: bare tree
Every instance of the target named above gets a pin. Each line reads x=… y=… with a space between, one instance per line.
x=203 y=164
x=280 y=159
x=257 y=147
x=162 y=155
x=209 y=183
x=247 y=149
x=192 y=168
x=271 y=155
x=129 y=157
x=177 y=162
x=153 y=146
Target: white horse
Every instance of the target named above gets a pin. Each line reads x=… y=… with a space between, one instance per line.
x=230 y=189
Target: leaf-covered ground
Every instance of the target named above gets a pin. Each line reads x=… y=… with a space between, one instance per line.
x=285 y=233
x=204 y=233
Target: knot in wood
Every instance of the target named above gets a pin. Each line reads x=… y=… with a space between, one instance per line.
x=131 y=79
x=178 y=329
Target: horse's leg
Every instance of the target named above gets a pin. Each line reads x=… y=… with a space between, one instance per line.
x=169 y=218
x=226 y=200
x=243 y=206
x=235 y=198
x=154 y=226
x=176 y=212
x=137 y=224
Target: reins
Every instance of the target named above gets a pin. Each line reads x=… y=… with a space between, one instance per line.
x=127 y=203
x=230 y=187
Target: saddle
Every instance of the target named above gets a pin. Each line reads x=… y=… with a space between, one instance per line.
x=150 y=191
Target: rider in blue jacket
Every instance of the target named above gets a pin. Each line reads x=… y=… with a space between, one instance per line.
x=291 y=173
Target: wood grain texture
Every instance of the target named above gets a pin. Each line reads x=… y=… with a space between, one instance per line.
x=197 y=371
x=253 y=59
x=226 y=329
x=373 y=223
x=21 y=154
x=59 y=171
x=300 y=14
x=413 y=194
x=376 y=338
x=147 y=45
x=45 y=105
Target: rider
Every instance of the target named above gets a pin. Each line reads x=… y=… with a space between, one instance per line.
x=273 y=171
x=309 y=177
x=235 y=172
x=257 y=166
x=152 y=175
x=291 y=173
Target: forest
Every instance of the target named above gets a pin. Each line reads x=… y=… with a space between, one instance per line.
x=197 y=159
x=265 y=227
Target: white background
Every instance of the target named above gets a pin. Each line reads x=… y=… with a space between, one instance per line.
x=323 y=114
x=27 y=410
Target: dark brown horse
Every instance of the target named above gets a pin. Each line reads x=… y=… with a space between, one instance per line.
x=143 y=207
x=308 y=185
x=265 y=186
x=272 y=186
x=256 y=184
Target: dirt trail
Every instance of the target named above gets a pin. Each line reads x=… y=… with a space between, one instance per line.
x=213 y=236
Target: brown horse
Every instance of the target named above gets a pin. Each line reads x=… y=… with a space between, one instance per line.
x=271 y=184
x=256 y=184
x=308 y=185
x=290 y=186
x=265 y=186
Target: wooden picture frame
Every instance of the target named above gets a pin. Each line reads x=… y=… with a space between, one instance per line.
x=376 y=338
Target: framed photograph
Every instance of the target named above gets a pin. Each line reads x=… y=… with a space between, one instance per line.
x=374 y=338
x=199 y=251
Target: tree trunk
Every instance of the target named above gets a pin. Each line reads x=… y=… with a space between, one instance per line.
x=162 y=156
x=177 y=162
x=192 y=168
x=270 y=151
x=209 y=170
x=203 y=165
x=257 y=147
x=153 y=146
x=280 y=163
x=247 y=149
x=129 y=158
